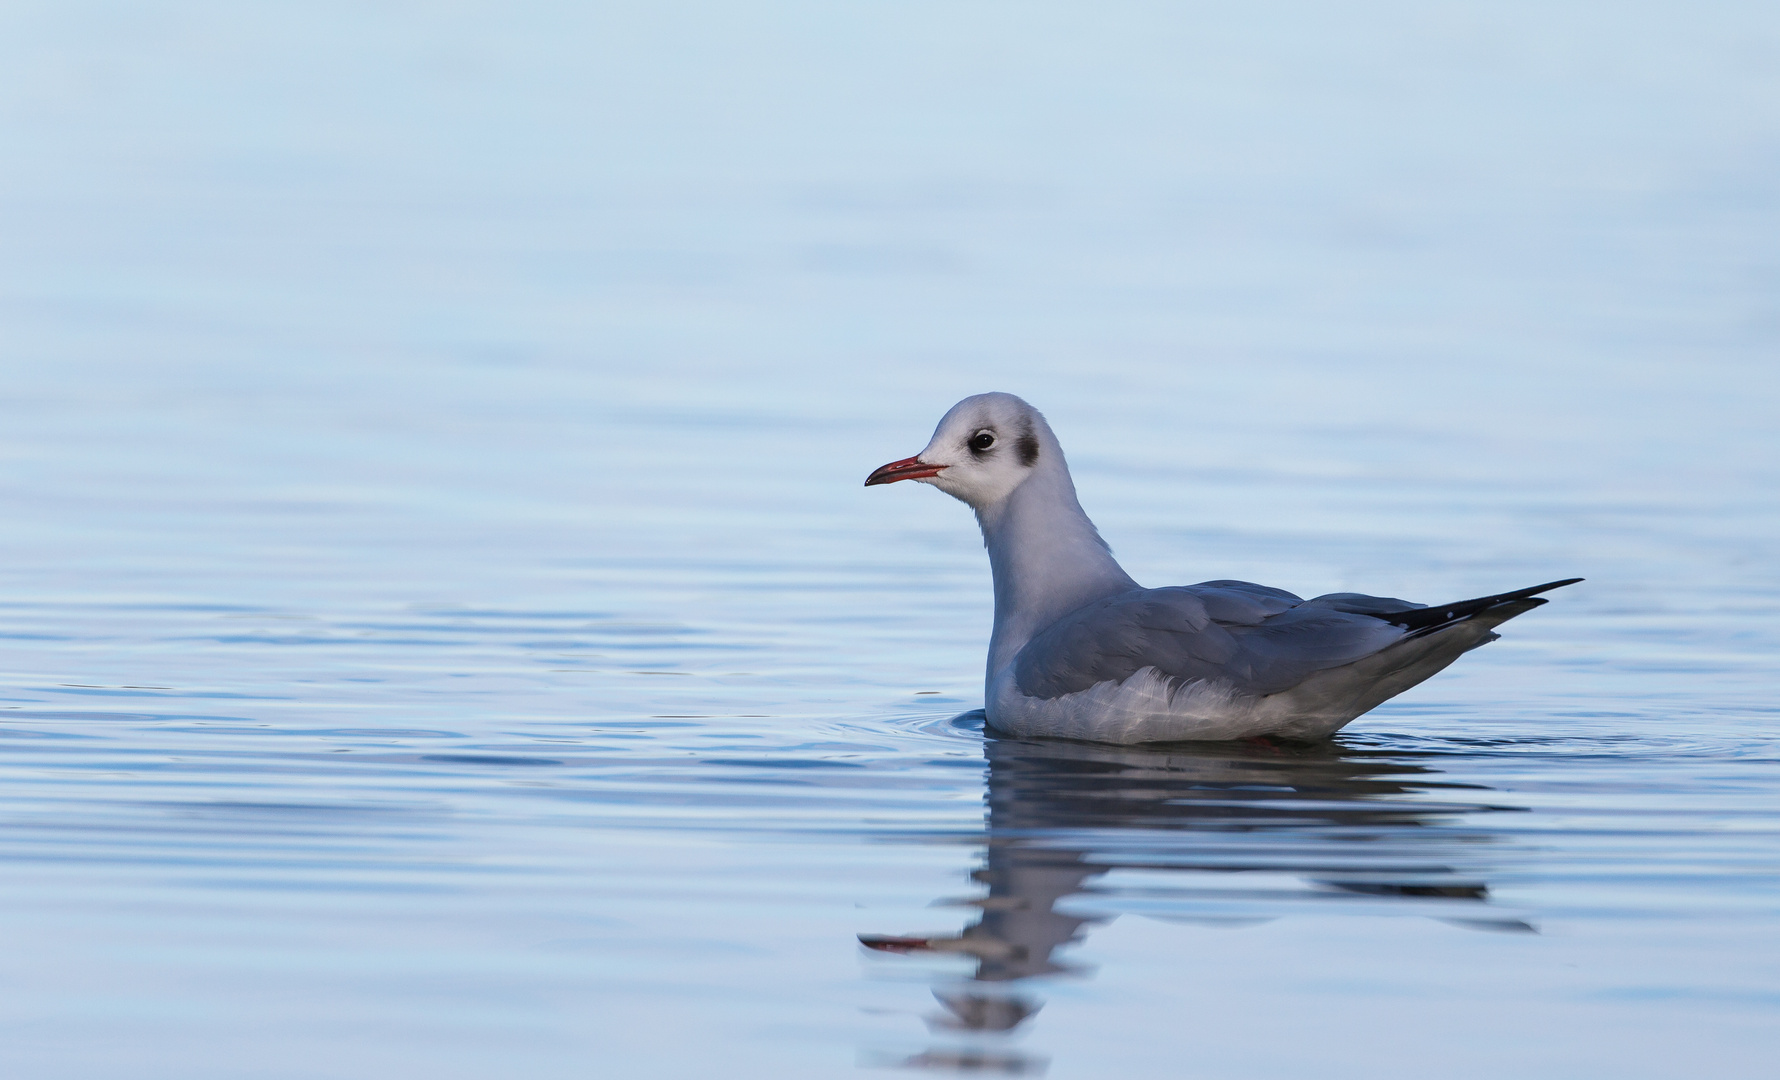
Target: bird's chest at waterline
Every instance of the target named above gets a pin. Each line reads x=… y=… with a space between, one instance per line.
x=1147 y=706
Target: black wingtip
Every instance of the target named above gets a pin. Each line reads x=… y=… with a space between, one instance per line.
x=1425 y=620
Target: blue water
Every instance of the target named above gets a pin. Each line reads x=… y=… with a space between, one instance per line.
x=442 y=631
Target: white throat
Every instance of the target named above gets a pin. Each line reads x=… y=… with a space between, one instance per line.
x=1046 y=556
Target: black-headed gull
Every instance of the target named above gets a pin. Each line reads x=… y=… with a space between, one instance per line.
x=1081 y=651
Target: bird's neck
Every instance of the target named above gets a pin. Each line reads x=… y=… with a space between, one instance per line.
x=1047 y=560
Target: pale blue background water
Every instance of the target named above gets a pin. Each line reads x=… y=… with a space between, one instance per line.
x=444 y=633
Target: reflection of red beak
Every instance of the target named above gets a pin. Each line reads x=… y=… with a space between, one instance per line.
x=909 y=468
x=888 y=943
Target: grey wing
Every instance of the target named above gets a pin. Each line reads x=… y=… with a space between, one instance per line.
x=1361 y=604
x=1253 y=638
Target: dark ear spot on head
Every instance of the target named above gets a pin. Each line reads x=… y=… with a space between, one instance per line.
x=1027 y=445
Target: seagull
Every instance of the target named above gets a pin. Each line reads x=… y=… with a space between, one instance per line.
x=1081 y=651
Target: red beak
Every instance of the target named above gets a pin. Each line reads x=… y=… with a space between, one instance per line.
x=909 y=468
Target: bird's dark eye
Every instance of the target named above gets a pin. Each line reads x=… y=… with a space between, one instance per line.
x=982 y=440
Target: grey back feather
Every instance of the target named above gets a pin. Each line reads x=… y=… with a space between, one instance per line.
x=1252 y=638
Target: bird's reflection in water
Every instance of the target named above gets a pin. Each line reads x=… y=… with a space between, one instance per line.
x=1230 y=834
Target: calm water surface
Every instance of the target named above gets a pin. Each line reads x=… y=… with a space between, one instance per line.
x=442 y=631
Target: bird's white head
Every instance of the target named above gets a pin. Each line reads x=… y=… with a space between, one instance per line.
x=984 y=448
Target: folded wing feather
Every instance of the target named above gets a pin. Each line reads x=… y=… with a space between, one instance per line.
x=1253 y=638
